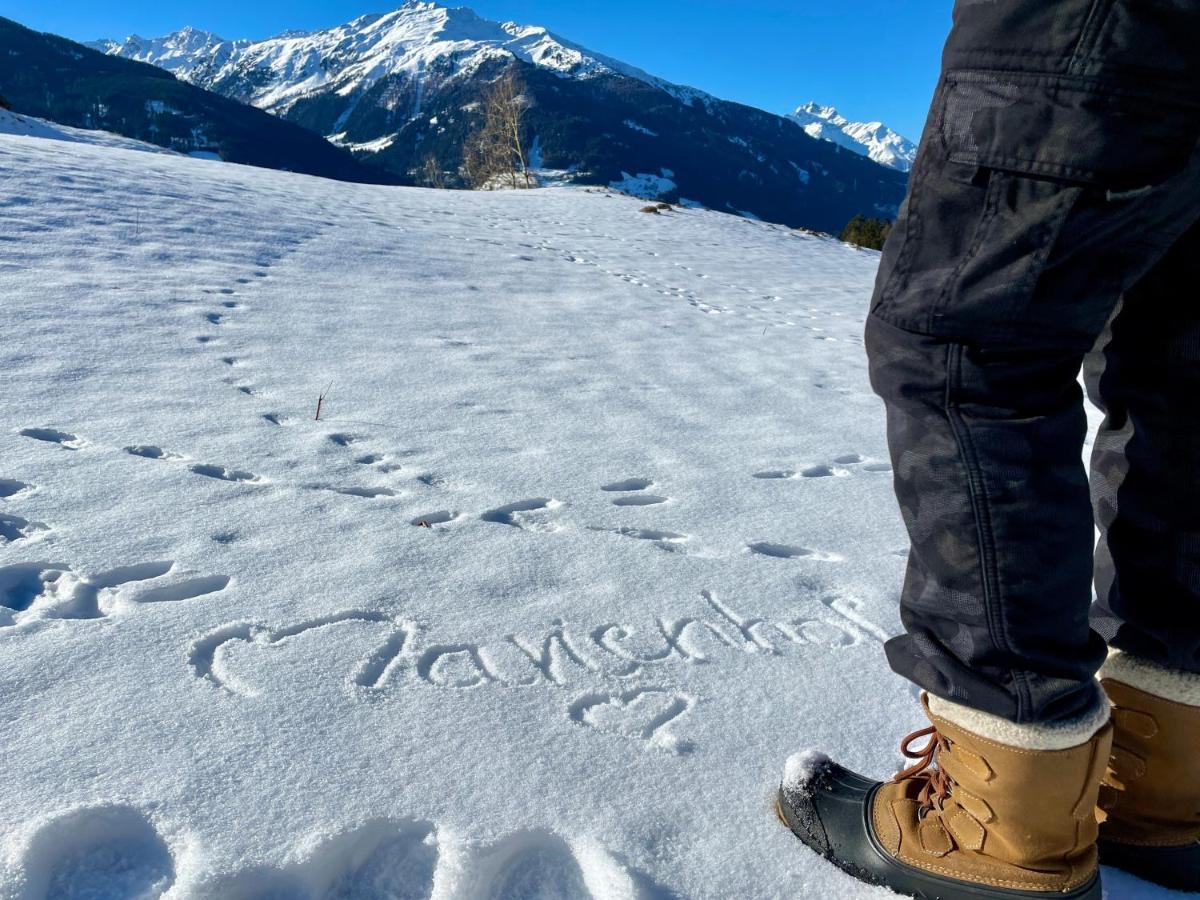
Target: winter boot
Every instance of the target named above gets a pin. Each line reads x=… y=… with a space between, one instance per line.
x=991 y=809
x=1150 y=801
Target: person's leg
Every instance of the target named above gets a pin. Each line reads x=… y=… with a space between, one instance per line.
x=1060 y=163
x=1146 y=466
x=995 y=288
x=1146 y=486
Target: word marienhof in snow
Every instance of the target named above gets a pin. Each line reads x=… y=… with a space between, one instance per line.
x=559 y=655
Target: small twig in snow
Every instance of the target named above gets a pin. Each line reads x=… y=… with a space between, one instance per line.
x=321 y=400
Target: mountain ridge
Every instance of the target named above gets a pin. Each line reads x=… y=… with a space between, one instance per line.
x=871 y=139
x=50 y=77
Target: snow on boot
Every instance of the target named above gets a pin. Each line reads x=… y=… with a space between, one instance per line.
x=1150 y=800
x=991 y=809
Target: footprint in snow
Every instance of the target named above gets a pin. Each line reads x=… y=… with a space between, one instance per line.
x=788 y=551
x=368 y=492
x=59 y=592
x=776 y=474
x=10 y=487
x=628 y=485
x=663 y=540
x=641 y=500
x=823 y=472
x=64 y=439
x=441 y=517
x=150 y=451
x=223 y=474
x=100 y=851
x=14 y=529
x=403 y=860
x=529 y=515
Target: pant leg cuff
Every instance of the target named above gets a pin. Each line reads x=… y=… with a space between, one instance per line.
x=1175 y=685
x=1060 y=735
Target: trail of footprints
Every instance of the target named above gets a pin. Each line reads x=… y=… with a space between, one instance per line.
x=117 y=850
x=538 y=514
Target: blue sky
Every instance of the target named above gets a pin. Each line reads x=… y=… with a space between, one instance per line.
x=874 y=59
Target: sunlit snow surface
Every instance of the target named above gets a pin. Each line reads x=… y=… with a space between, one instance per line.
x=594 y=533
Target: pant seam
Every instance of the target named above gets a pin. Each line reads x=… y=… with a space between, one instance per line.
x=1097 y=17
x=985 y=537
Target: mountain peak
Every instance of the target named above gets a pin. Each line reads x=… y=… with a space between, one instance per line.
x=872 y=139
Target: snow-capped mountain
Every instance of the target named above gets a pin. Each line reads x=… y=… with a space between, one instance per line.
x=419 y=39
x=872 y=139
x=402 y=87
x=57 y=80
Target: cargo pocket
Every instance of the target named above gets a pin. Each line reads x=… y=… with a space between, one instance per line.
x=1020 y=175
x=1069 y=128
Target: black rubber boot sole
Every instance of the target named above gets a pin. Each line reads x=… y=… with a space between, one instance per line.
x=1177 y=868
x=831 y=814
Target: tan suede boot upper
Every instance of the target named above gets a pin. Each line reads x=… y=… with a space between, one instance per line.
x=1151 y=794
x=993 y=814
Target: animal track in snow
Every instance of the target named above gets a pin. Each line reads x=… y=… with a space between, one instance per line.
x=628 y=485
x=640 y=500
x=368 y=492
x=664 y=540
x=214 y=318
x=15 y=528
x=776 y=474
x=98 y=852
x=222 y=474
x=823 y=471
x=274 y=419
x=10 y=487
x=149 y=451
x=344 y=440
x=788 y=551
x=525 y=514
x=839 y=468
x=64 y=439
x=441 y=517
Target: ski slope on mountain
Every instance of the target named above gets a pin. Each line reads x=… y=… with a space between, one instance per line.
x=595 y=529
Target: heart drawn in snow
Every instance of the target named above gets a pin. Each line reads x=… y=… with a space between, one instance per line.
x=642 y=714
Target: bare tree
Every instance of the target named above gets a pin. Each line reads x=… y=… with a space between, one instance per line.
x=431 y=172
x=495 y=152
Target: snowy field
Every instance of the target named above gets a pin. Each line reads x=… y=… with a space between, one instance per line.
x=595 y=530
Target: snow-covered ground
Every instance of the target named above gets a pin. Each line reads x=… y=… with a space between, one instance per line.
x=661 y=553
x=12 y=123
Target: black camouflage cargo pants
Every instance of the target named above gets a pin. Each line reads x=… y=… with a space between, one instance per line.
x=1054 y=208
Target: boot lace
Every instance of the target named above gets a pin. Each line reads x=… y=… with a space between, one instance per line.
x=937 y=784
